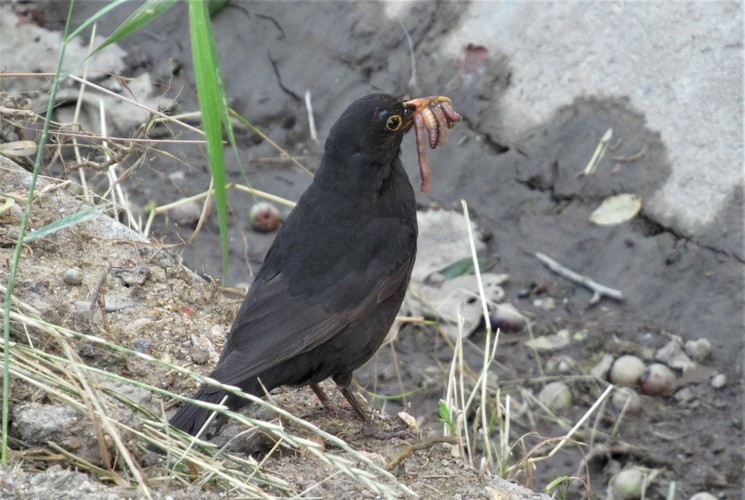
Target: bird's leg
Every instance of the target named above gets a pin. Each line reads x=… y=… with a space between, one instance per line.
x=356 y=406
x=322 y=397
x=368 y=428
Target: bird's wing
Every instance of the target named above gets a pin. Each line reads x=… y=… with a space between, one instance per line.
x=274 y=326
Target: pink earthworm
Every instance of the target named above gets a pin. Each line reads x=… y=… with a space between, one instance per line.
x=430 y=123
x=442 y=125
x=452 y=115
x=421 y=150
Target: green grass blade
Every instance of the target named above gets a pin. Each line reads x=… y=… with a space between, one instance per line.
x=214 y=109
x=215 y=5
x=95 y=17
x=19 y=244
x=463 y=266
x=139 y=18
x=68 y=221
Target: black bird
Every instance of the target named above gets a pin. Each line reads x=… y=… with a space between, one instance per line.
x=336 y=274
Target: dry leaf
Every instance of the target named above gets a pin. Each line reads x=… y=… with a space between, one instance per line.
x=617 y=209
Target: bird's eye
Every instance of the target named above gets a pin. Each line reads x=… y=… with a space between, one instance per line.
x=394 y=123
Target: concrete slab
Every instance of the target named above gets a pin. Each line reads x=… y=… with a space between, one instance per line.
x=680 y=63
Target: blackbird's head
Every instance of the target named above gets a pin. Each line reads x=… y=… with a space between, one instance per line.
x=371 y=128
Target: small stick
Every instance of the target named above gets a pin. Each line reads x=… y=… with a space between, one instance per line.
x=404 y=454
x=311 y=119
x=598 y=290
x=628 y=159
x=597 y=157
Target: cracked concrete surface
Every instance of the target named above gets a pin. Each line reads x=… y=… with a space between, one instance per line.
x=681 y=65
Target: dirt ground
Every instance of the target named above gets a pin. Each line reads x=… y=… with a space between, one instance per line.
x=525 y=195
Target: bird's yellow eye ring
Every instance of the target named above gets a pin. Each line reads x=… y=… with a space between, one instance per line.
x=394 y=123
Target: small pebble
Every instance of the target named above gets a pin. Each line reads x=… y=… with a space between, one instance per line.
x=548 y=304
x=81 y=306
x=602 y=367
x=683 y=395
x=699 y=349
x=73 y=276
x=264 y=217
x=626 y=370
x=409 y=421
x=719 y=380
x=702 y=495
x=436 y=279
x=507 y=319
x=626 y=396
x=141 y=345
x=186 y=214
x=657 y=379
x=628 y=483
x=200 y=350
x=673 y=356
x=115 y=305
x=556 y=395
x=71 y=444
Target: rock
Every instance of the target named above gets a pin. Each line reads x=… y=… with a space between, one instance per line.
x=548 y=343
x=141 y=345
x=133 y=393
x=456 y=296
x=626 y=370
x=699 y=349
x=264 y=217
x=507 y=319
x=409 y=421
x=719 y=380
x=133 y=277
x=657 y=379
x=201 y=349
x=625 y=397
x=560 y=363
x=115 y=304
x=38 y=424
x=627 y=484
x=602 y=367
x=673 y=356
x=556 y=395
x=445 y=236
x=702 y=495
x=73 y=276
x=683 y=395
x=547 y=304
x=186 y=214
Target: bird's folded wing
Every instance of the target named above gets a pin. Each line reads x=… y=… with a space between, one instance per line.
x=274 y=326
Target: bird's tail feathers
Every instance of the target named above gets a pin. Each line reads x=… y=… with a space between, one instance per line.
x=191 y=418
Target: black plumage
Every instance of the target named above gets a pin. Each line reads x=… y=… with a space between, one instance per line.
x=335 y=276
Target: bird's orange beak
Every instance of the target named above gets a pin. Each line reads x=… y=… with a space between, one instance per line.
x=415 y=106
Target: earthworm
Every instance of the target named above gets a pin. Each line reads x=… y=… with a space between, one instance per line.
x=430 y=123
x=421 y=151
x=452 y=116
x=442 y=126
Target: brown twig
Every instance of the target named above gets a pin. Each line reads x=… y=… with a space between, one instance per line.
x=629 y=159
x=404 y=454
x=598 y=290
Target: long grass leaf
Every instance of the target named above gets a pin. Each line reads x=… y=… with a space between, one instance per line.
x=95 y=17
x=208 y=78
x=148 y=11
x=19 y=243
